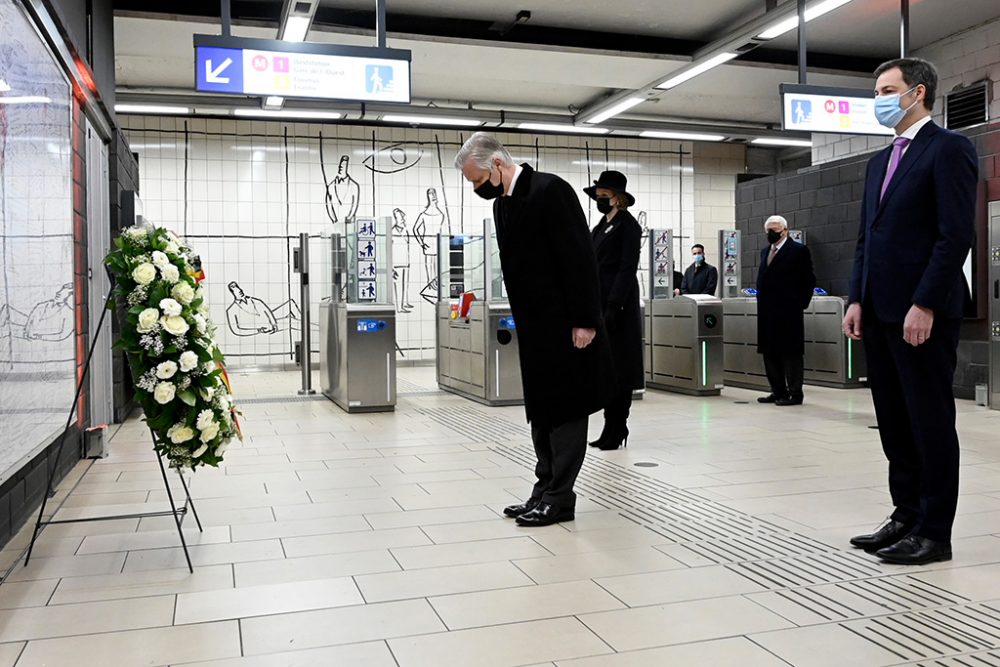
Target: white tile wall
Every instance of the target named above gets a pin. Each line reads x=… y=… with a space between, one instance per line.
x=242 y=191
x=961 y=59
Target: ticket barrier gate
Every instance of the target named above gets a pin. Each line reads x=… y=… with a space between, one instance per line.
x=684 y=351
x=831 y=358
x=357 y=323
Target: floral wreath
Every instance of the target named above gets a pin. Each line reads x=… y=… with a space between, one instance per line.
x=181 y=382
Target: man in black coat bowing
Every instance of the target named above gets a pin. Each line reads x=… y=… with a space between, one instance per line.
x=785 y=283
x=552 y=283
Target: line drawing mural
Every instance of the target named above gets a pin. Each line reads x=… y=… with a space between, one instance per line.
x=429 y=224
x=49 y=320
x=643 y=277
x=249 y=316
x=401 y=240
x=343 y=194
x=393 y=159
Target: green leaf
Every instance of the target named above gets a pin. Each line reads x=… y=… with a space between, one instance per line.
x=187 y=396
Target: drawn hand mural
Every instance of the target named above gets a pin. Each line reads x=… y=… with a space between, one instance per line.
x=49 y=320
x=249 y=316
x=429 y=224
x=343 y=194
x=401 y=240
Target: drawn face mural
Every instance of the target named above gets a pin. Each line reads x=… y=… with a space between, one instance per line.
x=393 y=159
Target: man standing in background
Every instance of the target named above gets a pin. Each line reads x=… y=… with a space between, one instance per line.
x=552 y=281
x=701 y=277
x=907 y=297
x=785 y=283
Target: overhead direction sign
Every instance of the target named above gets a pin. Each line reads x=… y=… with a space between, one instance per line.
x=829 y=110
x=242 y=66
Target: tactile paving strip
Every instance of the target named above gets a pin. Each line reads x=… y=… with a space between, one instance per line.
x=925 y=635
x=804 y=580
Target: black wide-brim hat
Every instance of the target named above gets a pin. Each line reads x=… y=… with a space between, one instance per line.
x=612 y=180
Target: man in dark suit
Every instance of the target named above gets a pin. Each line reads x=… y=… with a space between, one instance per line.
x=550 y=272
x=785 y=283
x=701 y=277
x=907 y=295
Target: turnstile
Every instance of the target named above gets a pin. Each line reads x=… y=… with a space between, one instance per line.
x=358 y=356
x=477 y=347
x=357 y=324
x=831 y=359
x=994 y=379
x=684 y=344
x=477 y=357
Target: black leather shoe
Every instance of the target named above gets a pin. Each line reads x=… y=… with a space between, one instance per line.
x=915 y=550
x=789 y=400
x=889 y=533
x=770 y=398
x=513 y=511
x=546 y=515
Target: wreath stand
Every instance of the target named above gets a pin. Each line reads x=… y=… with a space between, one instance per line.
x=179 y=513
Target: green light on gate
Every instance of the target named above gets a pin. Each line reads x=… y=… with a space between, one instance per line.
x=704 y=363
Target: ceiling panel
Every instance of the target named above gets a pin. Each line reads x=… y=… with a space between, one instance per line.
x=871 y=27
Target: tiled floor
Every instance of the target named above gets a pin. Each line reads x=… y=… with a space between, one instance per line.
x=375 y=540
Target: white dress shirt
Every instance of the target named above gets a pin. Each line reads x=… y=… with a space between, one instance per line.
x=509 y=190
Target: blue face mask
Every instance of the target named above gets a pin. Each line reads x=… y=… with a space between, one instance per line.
x=888 y=110
x=698 y=259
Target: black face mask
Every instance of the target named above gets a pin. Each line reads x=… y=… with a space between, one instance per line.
x=773 y=236
x=604 y=205
x=489 y=190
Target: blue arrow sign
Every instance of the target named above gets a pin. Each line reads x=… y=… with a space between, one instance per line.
x=219 y=70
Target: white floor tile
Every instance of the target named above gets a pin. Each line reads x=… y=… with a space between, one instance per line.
x=159 y=646
x=500 y=646
x=440 y=581
x=328 y=627
x=221 y=605
x=86 y=618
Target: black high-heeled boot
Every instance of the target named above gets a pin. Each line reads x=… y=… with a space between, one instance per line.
x=604 y=438
x=617 y=438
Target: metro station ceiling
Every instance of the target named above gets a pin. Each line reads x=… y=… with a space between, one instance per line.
x=570 y=52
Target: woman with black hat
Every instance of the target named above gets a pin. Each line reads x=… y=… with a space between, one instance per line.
x=617 y=238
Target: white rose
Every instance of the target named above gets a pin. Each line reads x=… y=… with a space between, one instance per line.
x=164 y=392
x=224 y=404
x=144 y=273
x=179 y=433
x=209 y=367
x=183 y=292
x=175 y=325
x=170 y=273
x=189 y=361
x=207 y=393
x=166 y=370
x=160 y=260
x=200 y=323
x=198 y=452
x=211 y=433
x=172 y=248
x=170 y=307
x=148 y=320
x=205 y=418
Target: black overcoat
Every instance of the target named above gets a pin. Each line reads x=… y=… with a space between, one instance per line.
x=617 y=248
x=550 y=272
x=784 y=291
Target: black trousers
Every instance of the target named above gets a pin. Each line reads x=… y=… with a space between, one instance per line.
x=784 y=373
x=915 y=408
x=560 y=453
x=617 y=410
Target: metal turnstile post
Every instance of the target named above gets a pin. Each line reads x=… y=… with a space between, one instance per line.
x=305 y=344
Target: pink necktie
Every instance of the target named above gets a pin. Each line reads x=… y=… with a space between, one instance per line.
x=898 y=145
